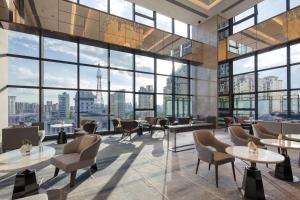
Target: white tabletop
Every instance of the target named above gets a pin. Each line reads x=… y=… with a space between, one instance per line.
x=285 y=144
x=261 y=156
x=61 y=125
x=295 y=137
x=16 y=161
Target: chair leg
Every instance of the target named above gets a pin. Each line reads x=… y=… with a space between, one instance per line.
x=72 y=179
x=197 y=167
x=233 y=170
x=56 y=172
x=209 y=164
x=94 y=168
x=217 y=176
x=267 y=165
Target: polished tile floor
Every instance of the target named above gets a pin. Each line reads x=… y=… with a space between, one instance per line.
x=144 y=169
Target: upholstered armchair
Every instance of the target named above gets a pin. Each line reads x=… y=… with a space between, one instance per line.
x=117 y=125
x=129 y=127
x=151 y=121
x=172 y=120
x=184 y=120
x=240 y=138
x=89 y=127
x=78 y=154
x=82 y=123
x=212 y=151
x=228 y=121
x=162 y=125
x=263 y=133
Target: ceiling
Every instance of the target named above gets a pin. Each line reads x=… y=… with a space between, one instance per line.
x=193 y=11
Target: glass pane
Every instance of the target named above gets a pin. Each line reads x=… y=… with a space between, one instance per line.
x=243 y=25
x=294 y=3
x=272 y=105
x=244 y=14
x=243 y=65
x=60 y=75
x=93 y=55
x=23 y=105
x=59 y=107
x=144 y=11
x=182 y=106
x=142 y=20
x=223 y=102
x=164 y=67
x=295 y=81
x=249 y=113
x=164 y=84
x=142 y=114
x=244 y=101
x=163 y=22
x=181 y=69
x=295 y=53
x=180 y=28
x=224 y=70
x=96 y=4
x=121 y=105
x=295 y=104
x=121 y=60
x=163 y=105
x=24 y=72
x=93 y=78
x=223 y=86
x=121 y=80
x=181 y=85
x=121 y=8
x=273 y=58
x=275 y=79
x=244 y=83
x=144 y=63
x=20 y=43
x=60 y=50
x=269 y=8
x=143 y=101
x=144 y=82
x=94 y=106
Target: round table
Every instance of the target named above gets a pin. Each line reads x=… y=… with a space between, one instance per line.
x=293 y=137
x=283 y=170
x=62 y=137
x=15 y=161
x=252 y=182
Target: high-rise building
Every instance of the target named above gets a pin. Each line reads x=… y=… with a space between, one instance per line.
x=117 y=104
x=12 y=105
x=64 y=105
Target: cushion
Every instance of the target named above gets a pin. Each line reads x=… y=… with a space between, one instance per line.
x=66 y=162
x=222 y=158
x=85 y=142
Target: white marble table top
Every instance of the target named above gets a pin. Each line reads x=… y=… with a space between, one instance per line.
x=61 y=125
x=16 y=161
x=295 y=137
x=261 y=155
x=285 y=144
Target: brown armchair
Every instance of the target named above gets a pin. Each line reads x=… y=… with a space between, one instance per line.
x=151 y=121
x=129 y=127
x=117 y=125
x=89 y=127
x=228 y=121
x=240 y=138
x=263 y=133
x=162 y=125
x=184 y=120
x=78 y=154
x=82 y=123
x=212 y=151
x=172 y=120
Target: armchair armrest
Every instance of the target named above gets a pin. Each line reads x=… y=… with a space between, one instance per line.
x=90 y=152
x=204 y=153
x=220 y=146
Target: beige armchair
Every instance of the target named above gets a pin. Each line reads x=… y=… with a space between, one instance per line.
x=263 y=133
x=240 y=138
x=12 y=138
x=212 y=151
x=78 y=154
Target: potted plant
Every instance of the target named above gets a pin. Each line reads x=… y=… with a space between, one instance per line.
x=26 y=147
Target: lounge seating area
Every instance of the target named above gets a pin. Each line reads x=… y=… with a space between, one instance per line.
x=149 y=100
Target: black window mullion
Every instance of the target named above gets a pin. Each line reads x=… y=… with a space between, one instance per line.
x=78 y=84
x=41 y=76
x=256 y=85
x=134 y=91
x=289 y=106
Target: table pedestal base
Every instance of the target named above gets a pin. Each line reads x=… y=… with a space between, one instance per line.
x=62 y=138
x=252 y=184
x=283 y=170
x=25 y=184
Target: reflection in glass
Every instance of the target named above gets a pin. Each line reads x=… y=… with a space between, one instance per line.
x=59 y=107
x=163 y=105
x=144 y=11
x=121 y=80
x=163 y=22
x=144 y=63
x=249 y=113
x=295 y=53
x=244 y=83
x=144 y=82
x=24 y=72
x=146 y=21
x=144 y=101
x=164 y=84
x=269 y=8
x=145 y=113
x=244 y=14
x=223 y=102
x=243 y=65
x=180 y=28
x=275 y=79
x=121 y=60
x=272 y=105
x=93 y=78
x=96 y=4
x=181 y=85
x=244 y=101
x=243 y=25
x=60 y=75
x=273 y=58
x=223 y=86
x=295 y=71
x=181 y=106
x=295 y=104
x=164 y=67
x=121 y=105
x=93 y=55
x=23 y=105
x=94 y=106
x=181 y=69
x=224 y=70
x=60 y=49
x=294 y=3
x=121 y=8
